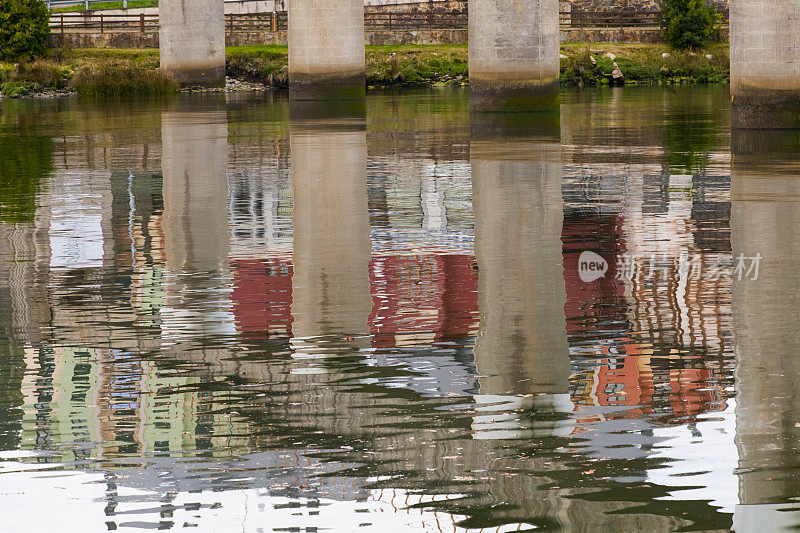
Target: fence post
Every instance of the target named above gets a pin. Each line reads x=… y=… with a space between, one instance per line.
x=101 y=23
x=274 y=22
x=141 y=22
x=62 y=27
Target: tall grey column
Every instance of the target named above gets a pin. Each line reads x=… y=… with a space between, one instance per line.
x=765 y=64
x=513 y=55
x=765 y=219
x=521 y=351
x=331 y=248
x=192 y=41
x=326 y=49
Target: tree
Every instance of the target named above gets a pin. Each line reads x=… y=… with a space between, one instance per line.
x=23 y=29
x=688 y=23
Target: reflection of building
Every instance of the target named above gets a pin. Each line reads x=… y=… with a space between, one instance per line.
x=632 y=378
x=98 y=403
x=663 y=330
x=145 y=385
x=419 y=299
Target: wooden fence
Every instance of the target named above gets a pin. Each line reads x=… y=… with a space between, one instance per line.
x=98 y=22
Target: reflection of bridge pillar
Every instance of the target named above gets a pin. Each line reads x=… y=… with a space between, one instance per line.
x=513 y=55
x=765 y=64
x=195 y=223
x=765 y=219
x=521 y=349
x=192 y=41
x=331 y=248
x=326 y=50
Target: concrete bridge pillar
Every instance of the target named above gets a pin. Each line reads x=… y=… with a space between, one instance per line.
x=326 y=49
x=513 y=55
x=192 y=41
x=765 y=64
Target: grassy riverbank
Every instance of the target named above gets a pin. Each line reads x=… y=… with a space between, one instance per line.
x=106 y=5
x=115 y=73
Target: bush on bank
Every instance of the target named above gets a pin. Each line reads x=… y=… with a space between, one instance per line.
x=114 y=80
x=689 y=23
x=24 y=26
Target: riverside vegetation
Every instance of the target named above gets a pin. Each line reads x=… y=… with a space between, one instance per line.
x=117 y=73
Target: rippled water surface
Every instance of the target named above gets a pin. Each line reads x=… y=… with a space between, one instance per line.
x=221 y=313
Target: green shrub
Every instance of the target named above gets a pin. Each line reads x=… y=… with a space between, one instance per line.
x=16 y=88
x=114 y=80
x=689 y=23
x=23 y=29
x=6 y=73
x=41 y=73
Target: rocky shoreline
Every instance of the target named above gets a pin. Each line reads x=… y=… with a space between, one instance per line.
x=232 y=85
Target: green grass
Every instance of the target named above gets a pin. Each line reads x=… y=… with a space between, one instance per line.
x=118 y=72
x=106 y=5
x=264 y=50
x=416 y=65
x=643 y=64
x=110 y=73
x=386 y=65
x=16 y=88
x=268 y=64
x=147 y=56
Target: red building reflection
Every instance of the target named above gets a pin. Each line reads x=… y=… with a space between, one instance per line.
x=428 y=298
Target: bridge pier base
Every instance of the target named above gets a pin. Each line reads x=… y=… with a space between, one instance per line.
x=765 y=65
x=192 y=41
x=513 y=55
x=326 y=50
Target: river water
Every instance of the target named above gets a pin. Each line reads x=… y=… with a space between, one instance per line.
x=219 y=312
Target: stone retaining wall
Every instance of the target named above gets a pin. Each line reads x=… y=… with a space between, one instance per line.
x=383 y=37
x=150 y=39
